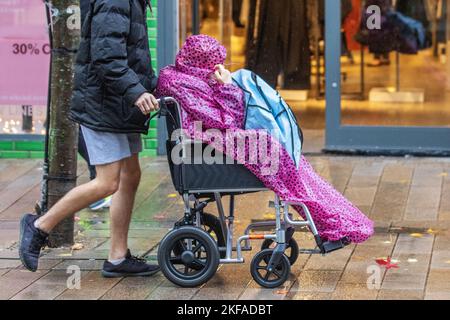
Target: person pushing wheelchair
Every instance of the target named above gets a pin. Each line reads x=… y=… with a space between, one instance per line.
x=112 y=99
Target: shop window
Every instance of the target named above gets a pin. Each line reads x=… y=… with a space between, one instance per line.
x=282 y=41
x=395 y=76
x=398 y=68
x=27 y=119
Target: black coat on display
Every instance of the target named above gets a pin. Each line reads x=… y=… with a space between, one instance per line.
x=278 y=41
x=416 y=9
x=113 y=67
x=398 y=32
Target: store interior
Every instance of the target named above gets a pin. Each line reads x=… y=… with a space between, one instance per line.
x=396 y=76
x=27 y=119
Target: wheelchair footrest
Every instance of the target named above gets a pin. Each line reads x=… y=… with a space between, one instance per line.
x=331 y=246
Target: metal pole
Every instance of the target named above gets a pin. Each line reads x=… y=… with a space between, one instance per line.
x=397 y=71
x=196 y=17
x=363 y=73
x=332 y=71
x=43 y=206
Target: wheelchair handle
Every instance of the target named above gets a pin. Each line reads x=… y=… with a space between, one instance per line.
x=163 y=108
x=167 y=99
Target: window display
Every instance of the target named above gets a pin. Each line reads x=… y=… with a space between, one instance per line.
x=278 y=43
x=411 y=41
x=284 y=42
x=24 y=119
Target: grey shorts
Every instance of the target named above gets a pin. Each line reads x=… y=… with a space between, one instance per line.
x=105 y=147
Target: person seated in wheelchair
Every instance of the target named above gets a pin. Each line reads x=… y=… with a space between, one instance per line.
x=222 y=105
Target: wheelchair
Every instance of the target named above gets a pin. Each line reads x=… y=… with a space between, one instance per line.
x=199 y=242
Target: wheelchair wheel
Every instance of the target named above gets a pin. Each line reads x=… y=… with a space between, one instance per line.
x=188 y=257
x=211 y=225
x=265 y=278
x=292 y=250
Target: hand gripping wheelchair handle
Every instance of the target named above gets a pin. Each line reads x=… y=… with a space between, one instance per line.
x=163 y=109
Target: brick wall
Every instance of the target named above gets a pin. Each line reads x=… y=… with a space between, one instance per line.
x=21 y=149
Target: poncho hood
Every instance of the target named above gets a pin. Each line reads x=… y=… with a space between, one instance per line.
x=199 y=55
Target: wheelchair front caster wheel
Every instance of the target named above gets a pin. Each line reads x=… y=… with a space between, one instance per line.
x=269 y=279
x=192 y=265
x=292 y=250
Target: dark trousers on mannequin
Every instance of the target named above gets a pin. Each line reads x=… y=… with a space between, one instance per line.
x=237 y=9
x=278 y=42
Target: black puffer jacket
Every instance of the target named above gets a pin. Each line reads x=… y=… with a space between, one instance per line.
x=113 y=67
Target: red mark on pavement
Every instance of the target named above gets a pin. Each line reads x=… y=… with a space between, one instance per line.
x=387 y=263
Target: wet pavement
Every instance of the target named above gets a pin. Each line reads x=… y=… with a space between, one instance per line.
x=408 y=258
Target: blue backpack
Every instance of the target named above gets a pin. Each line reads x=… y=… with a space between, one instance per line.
x=265 y=109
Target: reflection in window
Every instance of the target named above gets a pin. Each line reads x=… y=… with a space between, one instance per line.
x=395 y=76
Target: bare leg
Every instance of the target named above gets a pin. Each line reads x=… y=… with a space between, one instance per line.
x=105 y=184
x=122 y=206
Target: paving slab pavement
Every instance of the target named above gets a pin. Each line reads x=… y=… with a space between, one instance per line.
x=408 y=198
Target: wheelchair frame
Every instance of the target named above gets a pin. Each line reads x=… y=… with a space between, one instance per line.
x=283 y=219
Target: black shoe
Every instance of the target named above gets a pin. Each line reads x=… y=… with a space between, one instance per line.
x=346 y=241
x=31 y=241
x=131 y=267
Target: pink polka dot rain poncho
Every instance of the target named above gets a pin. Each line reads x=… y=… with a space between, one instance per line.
x=222 y=107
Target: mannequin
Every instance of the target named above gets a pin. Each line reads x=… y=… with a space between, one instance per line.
x=278 y=42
